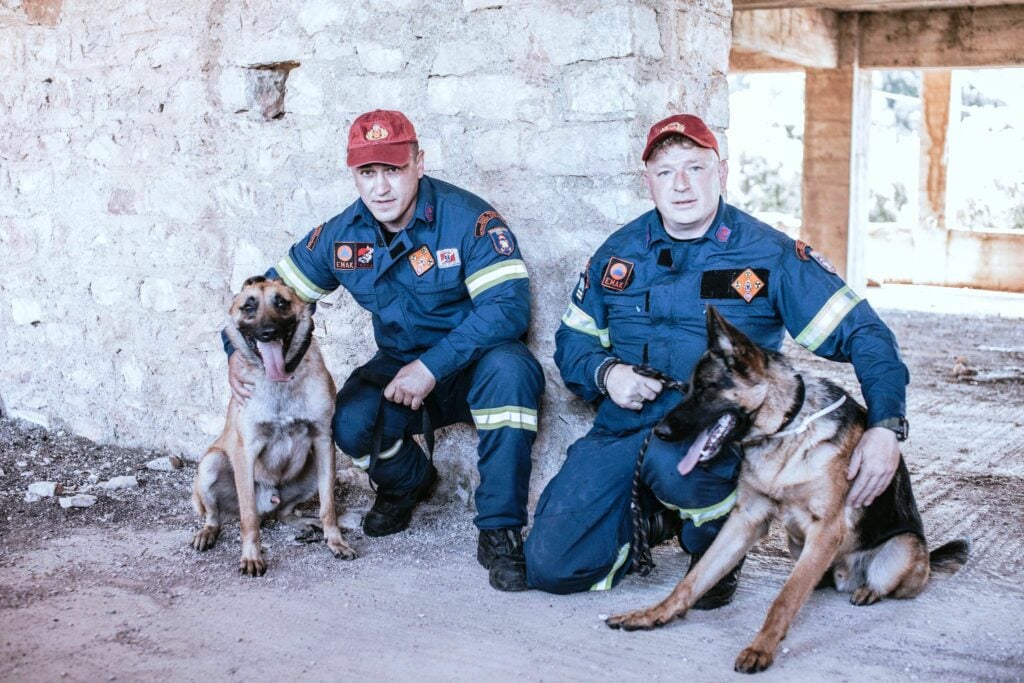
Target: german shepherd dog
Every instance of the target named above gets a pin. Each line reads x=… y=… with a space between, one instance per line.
x=276 y=450
x=797 y=437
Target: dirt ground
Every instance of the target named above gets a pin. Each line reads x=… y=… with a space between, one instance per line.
x=114 y=592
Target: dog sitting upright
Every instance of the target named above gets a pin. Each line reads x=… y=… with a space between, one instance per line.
x=276 y=450
x=798 y=436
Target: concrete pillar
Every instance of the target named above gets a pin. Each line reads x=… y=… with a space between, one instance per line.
x=930 y=236
x=837 y=107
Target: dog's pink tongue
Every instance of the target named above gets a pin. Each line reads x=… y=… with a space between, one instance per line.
x=692 y=456
x=273 y=360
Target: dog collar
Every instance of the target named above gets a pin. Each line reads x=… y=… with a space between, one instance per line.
x=809 y=420
x=303 y=347
x=798 y=403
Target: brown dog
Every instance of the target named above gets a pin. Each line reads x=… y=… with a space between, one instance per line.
x=798 y=437
x=276 y=450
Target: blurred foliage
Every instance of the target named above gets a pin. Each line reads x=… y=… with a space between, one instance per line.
x=765 y=187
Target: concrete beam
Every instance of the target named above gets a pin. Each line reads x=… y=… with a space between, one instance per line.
x=862 y=5
x=943 y=38
x=802 y=37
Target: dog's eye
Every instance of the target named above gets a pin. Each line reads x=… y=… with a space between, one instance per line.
x=249 y=307
x=280 y=304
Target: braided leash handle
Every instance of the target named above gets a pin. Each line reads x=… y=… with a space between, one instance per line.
x=643 y=561
x=647 y=371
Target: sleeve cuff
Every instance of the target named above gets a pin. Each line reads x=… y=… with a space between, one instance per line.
x=440 y=360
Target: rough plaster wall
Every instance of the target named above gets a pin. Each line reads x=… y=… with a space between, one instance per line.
x=140 y=182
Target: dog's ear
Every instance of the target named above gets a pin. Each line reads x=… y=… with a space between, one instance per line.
x=253 y=280
x=732 y=346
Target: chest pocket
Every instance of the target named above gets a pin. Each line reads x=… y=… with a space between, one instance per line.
x=630 y=307
x=441 y=288
x=736 y=287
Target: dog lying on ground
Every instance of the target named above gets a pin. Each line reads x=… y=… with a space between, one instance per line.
x=798 y=436
x=276 y=450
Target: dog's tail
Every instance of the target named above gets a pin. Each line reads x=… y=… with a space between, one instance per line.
x=950 y=557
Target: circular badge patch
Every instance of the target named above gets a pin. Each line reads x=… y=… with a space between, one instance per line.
x=345 y=252
x=618 y=271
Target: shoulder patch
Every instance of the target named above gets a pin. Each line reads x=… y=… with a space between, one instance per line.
x=482 y=221
x=501 y=240
x=584 y=283
x=736 y=283
x=618 y=274
x=314 y=237
x=822 y=261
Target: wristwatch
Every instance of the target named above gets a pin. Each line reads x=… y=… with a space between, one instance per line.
x=896 y=424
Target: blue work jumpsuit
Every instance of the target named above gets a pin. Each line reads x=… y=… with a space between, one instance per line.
x=643 y=298
x=451 y=289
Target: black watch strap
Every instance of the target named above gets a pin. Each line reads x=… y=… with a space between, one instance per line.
x=896 y=424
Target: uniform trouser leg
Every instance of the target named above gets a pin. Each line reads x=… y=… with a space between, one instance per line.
x=582 y=527
x=401 y=465
x=703 y=497
x=503 y=390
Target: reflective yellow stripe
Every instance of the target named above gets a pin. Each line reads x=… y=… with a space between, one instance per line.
x=606 y=583
x=576 y=318
x=828 y=319
x=363 y=463
x=703 y=515
x=294 y=278
x=485 y=278
x=505 y=416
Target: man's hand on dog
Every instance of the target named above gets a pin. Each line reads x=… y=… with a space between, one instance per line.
x=411 y=385
x=240 y=390
x=874 y=461
x=629 y=390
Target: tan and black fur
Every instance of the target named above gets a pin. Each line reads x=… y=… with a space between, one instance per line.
x=276 y=450
x=800 y=479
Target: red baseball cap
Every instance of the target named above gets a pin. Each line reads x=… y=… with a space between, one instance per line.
x=687 y=125
x=380 y=137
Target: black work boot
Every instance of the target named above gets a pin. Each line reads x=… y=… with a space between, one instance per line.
x=500 y=551
x=391 y=514
x=664 y=526
x=721 y=594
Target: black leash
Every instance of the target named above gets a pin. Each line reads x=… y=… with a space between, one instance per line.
x=429 y=410
x=643 y=561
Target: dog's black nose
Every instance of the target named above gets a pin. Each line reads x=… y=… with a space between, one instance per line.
x=266 y=333
x=663 y=432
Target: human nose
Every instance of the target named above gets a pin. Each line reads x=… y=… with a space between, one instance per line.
x=381 y=186
x=681 y=182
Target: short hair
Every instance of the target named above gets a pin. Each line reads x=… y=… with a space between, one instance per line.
x=671 y=141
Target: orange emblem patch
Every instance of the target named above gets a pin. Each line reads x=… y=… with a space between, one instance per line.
x=748 y=284
x=422 y=260
x=675 y=125
x=377 y=132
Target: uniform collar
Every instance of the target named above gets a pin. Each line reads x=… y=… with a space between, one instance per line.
x=718 y=233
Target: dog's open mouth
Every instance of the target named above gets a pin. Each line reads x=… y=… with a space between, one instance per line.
x=708 y=443
x=272 y=355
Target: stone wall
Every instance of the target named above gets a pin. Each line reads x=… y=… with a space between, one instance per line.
x=154 y=154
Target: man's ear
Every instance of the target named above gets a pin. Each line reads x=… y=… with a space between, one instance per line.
x=723 y=174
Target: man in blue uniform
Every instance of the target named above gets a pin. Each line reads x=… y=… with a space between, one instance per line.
x=443 y=276
x=643 y=298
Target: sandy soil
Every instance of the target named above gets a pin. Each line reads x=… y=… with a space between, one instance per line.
x=114 y=592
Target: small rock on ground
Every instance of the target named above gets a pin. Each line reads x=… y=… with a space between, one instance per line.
x=46 y=489
x=120 y=483
x=81 y=500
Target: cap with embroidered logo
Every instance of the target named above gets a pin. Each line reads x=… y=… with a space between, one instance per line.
x=687 y=125
x=380 y=137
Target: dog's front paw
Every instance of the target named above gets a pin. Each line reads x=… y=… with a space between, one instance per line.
x=753 y=660
x=252 y=566
x=337 y=545
x=205 y=538
x=639 y=620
